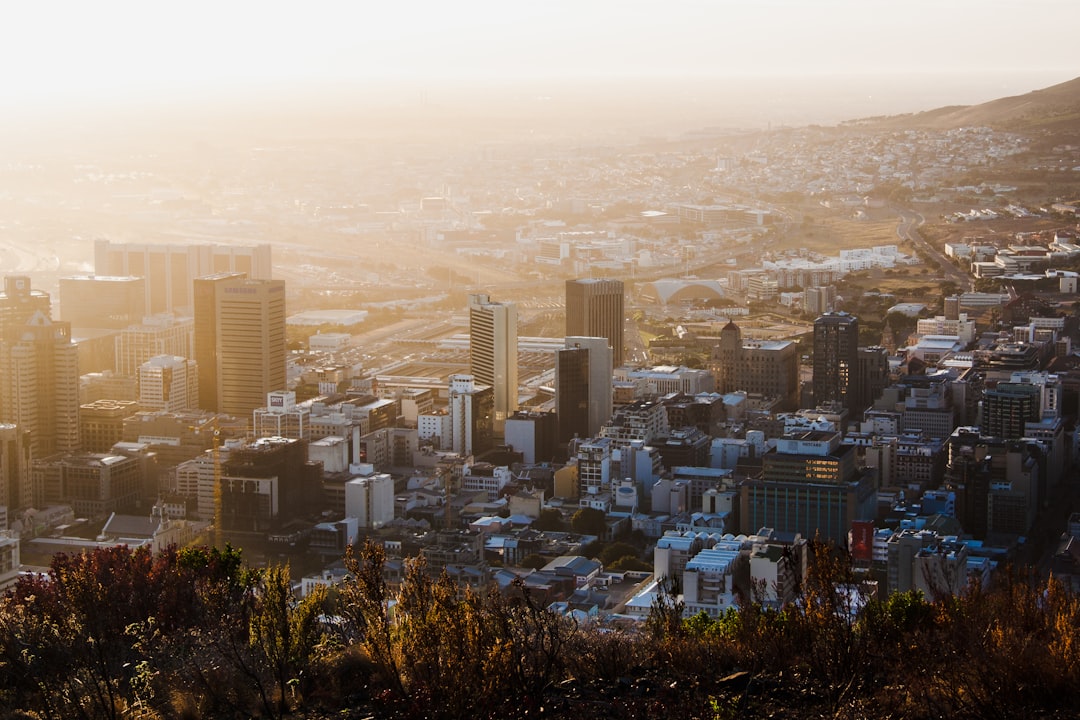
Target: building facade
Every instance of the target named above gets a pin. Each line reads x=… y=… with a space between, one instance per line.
x=239 y=341
x=170 y=270
x=493 y=353
x=594 y=308
x=471 y=409
x=39 y=383
x=169 y=383
x=583 y=389
x=162 y=334
x=769 y=368
x=809 y=485
x=836 y=362
x=102 y=301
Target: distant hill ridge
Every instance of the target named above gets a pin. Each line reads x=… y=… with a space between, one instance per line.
x=1054 y=109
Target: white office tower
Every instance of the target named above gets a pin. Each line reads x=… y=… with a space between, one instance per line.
x=493 y=353
x=471 y=410
x=169 y=383
x=370 y=498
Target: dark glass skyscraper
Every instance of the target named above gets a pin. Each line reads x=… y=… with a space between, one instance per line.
x=582 y=387
x=836 y=361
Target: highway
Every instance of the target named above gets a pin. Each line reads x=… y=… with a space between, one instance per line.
x=908 y=229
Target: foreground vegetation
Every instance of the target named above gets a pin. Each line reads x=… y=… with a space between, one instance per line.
x=193 y=633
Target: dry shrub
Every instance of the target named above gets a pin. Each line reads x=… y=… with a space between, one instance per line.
x=597 y=652
x=341 y=675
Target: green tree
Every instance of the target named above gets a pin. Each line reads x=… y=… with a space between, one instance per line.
x=550 y=520
x=365 y=602
x=589 y=521
x=284 y=635
x=616 y=551
x=629 y=563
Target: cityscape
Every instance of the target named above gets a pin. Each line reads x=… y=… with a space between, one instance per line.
x=650 y=375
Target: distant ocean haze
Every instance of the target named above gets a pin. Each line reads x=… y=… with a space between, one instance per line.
x=619 y=108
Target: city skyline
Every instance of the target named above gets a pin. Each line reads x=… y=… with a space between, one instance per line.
x=582 y=297
x=608 y=315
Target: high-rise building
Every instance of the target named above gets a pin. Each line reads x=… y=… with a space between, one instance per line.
x=95 y=386
x=19 y=302
x=644 y=420
x=594 y=308
x=471 y=409
x=169 y=383
x=170 y=270
x=15 y=487
x=836 y=361
x=493 y=357
x=820 y=299
x=162 y=334
x=583 y=390
x=998 y=483
x=1009 y=407
x=873 y=374
x=239 y=341
x=194 y=480
x=927 y=403
x=208 y=290
x=594 y=465
x=102 y=301
x=39 y=383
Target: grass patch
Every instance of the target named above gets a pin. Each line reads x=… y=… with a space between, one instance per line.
x=827 y=234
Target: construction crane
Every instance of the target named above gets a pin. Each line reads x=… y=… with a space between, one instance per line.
x=215 y=454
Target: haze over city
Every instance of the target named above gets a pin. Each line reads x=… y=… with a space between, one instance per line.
x=511 y=360
x=779 y=62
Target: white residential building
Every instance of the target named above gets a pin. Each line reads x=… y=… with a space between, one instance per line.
x=708 y=580
x=436 y=427
x=962 y=328
x=370 y=498
x=484 y=477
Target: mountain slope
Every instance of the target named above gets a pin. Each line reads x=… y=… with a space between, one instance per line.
x=1055 y=109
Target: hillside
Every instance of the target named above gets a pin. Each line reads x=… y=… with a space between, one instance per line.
x=1055 y=109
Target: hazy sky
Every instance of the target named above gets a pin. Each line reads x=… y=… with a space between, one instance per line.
x=107 y=49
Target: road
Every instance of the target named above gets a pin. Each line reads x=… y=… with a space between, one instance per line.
x=908 y=229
